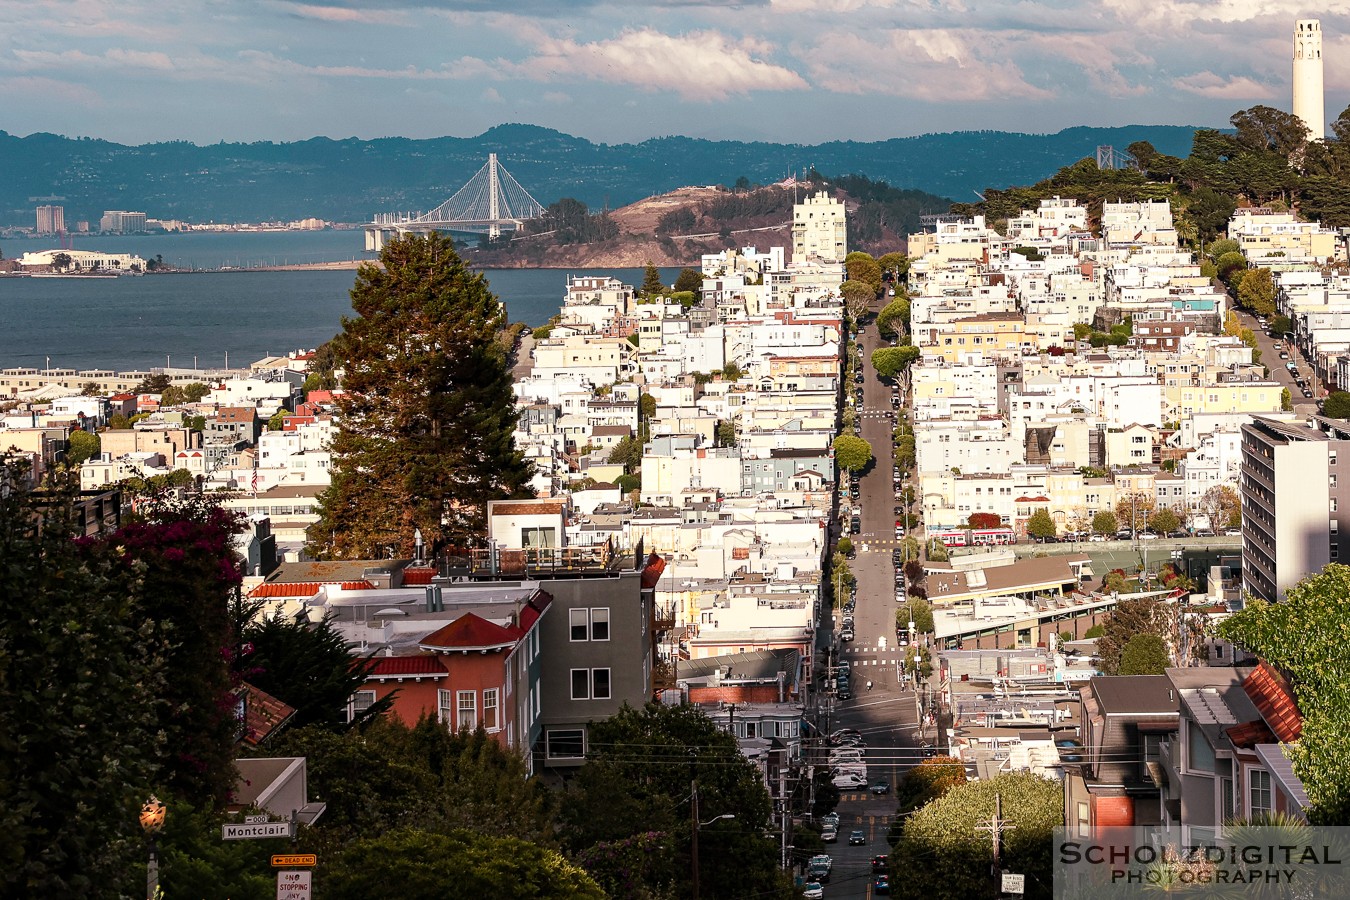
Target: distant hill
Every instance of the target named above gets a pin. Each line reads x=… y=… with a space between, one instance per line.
x=348 y=180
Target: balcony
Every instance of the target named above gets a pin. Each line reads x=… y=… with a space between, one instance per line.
x=548 y=562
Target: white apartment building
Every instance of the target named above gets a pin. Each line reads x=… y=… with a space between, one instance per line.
x=819 y=229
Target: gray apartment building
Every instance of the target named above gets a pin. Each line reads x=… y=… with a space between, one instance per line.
x=1292 y=501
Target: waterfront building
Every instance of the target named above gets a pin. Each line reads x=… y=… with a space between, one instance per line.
x=119 y=221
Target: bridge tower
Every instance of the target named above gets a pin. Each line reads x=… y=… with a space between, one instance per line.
x=489 y=202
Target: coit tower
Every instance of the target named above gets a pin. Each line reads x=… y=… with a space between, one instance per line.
x=1308 y=103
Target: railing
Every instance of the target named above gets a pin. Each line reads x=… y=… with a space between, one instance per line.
x=495 y=562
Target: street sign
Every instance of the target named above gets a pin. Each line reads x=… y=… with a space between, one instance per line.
x=1013 y=884
x=295 y=859
x=254 y=830
x=297 y=884
x=255 y=820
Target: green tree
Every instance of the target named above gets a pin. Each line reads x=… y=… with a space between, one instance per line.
x=1041 y=525
x=1164 y=521
x=651 y=282
x=943 y=854
x=277 y=421
x=83 y=445
x=1131 y=617
x=91 y=389
x=61 y=261
x=937 y=551
x=916 y=610
x=1257 y=292
x=1286 y=400
x=891 y=361
x=895 y=263
x=859 y=266
x=627 y=453
x=927 y=781
x=689 y=280
x=1280 y=325
x=153 y=384
x=1303 y=637
x=894 y=316
x=1216 y=250
x=1231 y=264
x=858 y=298
x=628 y=787
x=1337 y=405
x=81 y=692
x=176 y=395
x=851 y=453
x=118 y=422
x=308 y=666
x=1144 y=654
x=1082 y=331
x=427 y=409
x=726 y=433
x=428 y=866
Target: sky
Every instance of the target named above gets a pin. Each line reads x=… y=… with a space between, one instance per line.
x=793 y=71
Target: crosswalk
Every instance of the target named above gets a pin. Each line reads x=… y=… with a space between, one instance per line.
x=859 y=819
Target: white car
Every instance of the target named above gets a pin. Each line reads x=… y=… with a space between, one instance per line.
x=849 y=780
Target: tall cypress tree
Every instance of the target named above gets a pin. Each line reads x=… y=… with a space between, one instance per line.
x=425 y=438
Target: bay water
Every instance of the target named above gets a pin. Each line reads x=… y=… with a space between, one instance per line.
x=195 y=319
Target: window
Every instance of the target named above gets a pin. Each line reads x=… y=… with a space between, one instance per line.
x=581 y=684
x=599 y=684
x=490 y=720
x=1084 y=822
x=577 y=620
x=468 y=713
x=359 y=703
x=600 y=624
x=566 y=744
x=444 y=713
x=1259 y=788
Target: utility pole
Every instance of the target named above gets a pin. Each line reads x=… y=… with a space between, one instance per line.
x=784 y=810
x=997 y=825
x=693 y=824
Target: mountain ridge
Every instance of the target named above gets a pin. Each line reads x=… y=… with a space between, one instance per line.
x=349 y=179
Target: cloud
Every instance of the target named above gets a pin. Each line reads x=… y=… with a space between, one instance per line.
x=491 y=95
x=50 y=89
x=934 y=66
x=698 y=66
x=362 y=15
x=1232 y=87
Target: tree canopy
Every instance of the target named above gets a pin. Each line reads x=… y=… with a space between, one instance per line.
x=1144 y=654
x=851 y=452
x=425 y=439
x=1337 y=405
x=84 y=445
x=891 y=361
x=1104 y=522
x=941 y=853
x=1041 y=524
x=1303 y=637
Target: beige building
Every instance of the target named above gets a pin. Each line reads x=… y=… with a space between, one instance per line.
x=819 y=229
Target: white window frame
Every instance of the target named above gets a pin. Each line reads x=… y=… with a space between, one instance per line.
x=1253 y=775
x=600 y=616
x=491 y=704
x=586 y=680
x=445 y=711
x=356 y=705
x=471 y=707
x=578 y=619
x=609 y=684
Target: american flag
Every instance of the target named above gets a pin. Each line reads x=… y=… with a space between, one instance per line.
x=255 y=481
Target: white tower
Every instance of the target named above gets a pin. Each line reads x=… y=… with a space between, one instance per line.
x=1308 y=103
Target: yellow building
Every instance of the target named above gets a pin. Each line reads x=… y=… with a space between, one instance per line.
x=989 y=334
x=1228 y=397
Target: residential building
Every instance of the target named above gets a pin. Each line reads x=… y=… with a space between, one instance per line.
x=819 y=229
x=1291 y=496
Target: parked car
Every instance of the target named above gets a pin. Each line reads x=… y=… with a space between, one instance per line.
x=818 y=868
x=830 y=835
x=855 y=525
x=880 y=787
x=1307 y=393
x=1147 y=536
x=813 y=890
x=1284 y=356
x=857 y=838
x=1097 y=537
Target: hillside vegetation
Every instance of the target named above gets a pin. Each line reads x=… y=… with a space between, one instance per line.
x=1264 y=161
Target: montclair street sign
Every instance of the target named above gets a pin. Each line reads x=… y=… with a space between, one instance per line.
x=250 y=831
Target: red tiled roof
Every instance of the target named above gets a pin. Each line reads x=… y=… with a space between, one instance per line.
x=412 y=577
x=1275 y=701
x=1249 y=734
x=305 y=588
x=651 y=572
x=470 y=632
x=263 y=714
x=405 y=667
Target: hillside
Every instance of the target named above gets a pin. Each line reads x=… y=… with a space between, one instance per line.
x=677 y=227
x=350 y=179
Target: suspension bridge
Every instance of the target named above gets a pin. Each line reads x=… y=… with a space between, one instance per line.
x=491 y=201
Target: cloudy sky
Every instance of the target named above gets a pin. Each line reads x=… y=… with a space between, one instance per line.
x=804 y=71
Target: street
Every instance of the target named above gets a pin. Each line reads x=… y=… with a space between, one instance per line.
x=1270 y=358
x=886 y=715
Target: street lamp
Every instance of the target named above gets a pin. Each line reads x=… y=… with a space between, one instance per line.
x=152 y=823
x=693 y=856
